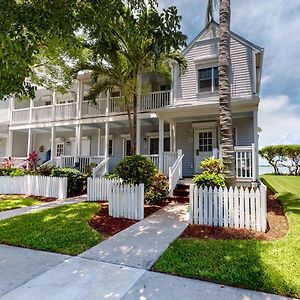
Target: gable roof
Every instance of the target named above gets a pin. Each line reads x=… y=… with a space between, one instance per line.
x=216 y=25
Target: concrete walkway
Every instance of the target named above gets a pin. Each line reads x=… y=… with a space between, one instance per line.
x=29 y=209
x=140 y=245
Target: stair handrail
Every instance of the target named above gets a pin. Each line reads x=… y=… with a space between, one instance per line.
x=175 y=173
x=98 y=168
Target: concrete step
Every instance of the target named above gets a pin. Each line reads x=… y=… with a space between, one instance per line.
x=183 y=187
x=179 y=199
x=183 y=193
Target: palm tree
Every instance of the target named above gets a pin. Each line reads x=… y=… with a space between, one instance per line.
x=134 y=46
x=224 y=86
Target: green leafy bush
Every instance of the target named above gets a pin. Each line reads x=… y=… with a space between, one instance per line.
x=112 y=176
x=136 y=169
x=140 y=169
x=212 y=165
x=209 y=180
x=158 y=191
x=77 y=182
x=45 y=170
x=14 y=172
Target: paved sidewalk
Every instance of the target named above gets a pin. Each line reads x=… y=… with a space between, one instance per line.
x=140 y=245
x=29 y=209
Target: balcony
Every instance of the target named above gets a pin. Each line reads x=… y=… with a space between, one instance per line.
x=88 y=109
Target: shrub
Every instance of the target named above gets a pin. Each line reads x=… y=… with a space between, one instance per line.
x=45 y=170
x=31 y=161
x=136 y=169
x=88 y=169
x=158 y=190
x=8 y=163
x=212 y=165
x=209 y=179
x=112 y=176
x=77 y=182
x=13 y=172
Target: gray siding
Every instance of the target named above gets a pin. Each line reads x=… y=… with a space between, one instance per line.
x=245 y=131
x=242 y=71
x=185 y=141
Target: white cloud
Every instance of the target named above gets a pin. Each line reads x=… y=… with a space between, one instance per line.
x=279 y=120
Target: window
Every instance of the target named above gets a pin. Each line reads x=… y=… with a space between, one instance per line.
x=208 y=80
x=127 y=147
x=205 y=141
x=59 y=149
x=110 y=147
x=47 y=103
x=154 y=145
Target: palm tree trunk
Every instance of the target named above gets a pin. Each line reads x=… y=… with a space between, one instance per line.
x=133 y=133
x=225 y=94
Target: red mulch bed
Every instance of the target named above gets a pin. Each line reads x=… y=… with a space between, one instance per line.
x=109 y=226
x=277 y=227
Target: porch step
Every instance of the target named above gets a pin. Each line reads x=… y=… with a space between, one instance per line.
x=180 y=193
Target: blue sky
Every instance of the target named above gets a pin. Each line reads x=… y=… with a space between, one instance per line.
x=275 y=26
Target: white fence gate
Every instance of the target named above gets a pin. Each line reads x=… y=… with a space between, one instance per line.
x=45 y=186
x=125 y=200
x=235 y=208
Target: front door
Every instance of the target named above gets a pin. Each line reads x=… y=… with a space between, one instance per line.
x=205 y=141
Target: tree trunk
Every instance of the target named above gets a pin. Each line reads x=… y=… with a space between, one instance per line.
x=225 y=94
x=133 y=132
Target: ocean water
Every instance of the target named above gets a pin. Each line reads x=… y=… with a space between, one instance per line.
x=269 y=169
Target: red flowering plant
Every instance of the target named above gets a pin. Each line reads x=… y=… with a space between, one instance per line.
x=8 y=163
x=31 y=161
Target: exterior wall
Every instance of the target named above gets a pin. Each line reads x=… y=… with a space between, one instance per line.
x=19 y=144
x=245 y=131
x=242 y=71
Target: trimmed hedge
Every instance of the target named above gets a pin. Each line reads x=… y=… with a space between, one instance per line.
x=283 y=156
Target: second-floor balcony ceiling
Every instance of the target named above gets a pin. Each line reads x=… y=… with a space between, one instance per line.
x=72 y=109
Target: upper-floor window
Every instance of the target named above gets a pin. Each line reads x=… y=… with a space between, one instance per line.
x=208 y=80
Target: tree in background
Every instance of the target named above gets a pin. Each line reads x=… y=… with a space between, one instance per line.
x=226 y=130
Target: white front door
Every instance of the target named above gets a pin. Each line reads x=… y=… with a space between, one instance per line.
x=204 y=143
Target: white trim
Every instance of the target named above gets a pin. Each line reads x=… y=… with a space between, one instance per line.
x=125 y=136
x=204 y=125
x=72 y=138
x=207 y=59
x=156 y=134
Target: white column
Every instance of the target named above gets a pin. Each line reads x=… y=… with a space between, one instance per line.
x=52 y=142
x=255 y=158
x=31 y=105
x=78 y=142
x=138 y=136
x=106 y=144
x=12 y=107
x=175 y=76
x=9 y=143
x=80 y=91
x=161 y=144
x=99 y=142
x=53 y=105
x=172 y=87
x=107 y=104
x=29 y=141
x=172 y=137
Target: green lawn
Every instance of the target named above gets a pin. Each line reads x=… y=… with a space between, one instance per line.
x=267 y=266
x=9 y=202
x=64 y=229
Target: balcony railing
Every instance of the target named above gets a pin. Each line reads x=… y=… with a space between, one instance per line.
x=68 y=111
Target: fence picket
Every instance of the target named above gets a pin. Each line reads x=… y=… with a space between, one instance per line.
x=210 y=208
x=205 y=207
x=236 y=208
x=225 y=203
x=247 y=208
x=215 y=206
x=252 y=209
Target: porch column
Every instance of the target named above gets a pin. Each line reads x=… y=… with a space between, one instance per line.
x=255 y=150
x=9 y=143
x=31 y=105
x=29 y=141
x=12 y=107
x=161 y=144
x=54 y=98
x=138 y=136
x=80 y=91
x=172 y=87
x=106 y=144
x=78 y=142
x=99 y=142
x=52 y=143
x=173 y=137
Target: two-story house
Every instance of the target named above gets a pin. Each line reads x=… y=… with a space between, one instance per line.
x=65 y=129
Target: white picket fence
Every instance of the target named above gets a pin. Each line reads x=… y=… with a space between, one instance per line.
x=125 y=200
x=236 y=208
x=45 y=186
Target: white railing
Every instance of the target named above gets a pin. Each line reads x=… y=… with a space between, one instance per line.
x=85 y=161
x=65 y=111
x=169 y=160
x=154 y=158
x=55 y=187
x=41 y=113
x=101 y=169
x=20 y=116
x=236 y=208
x=117 y=105
x=155 y=100
x=245 y=162
x=65 y=161
x=94 y=109
x=175 y=172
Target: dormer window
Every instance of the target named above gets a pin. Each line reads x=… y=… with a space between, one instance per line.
x=208 y=80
